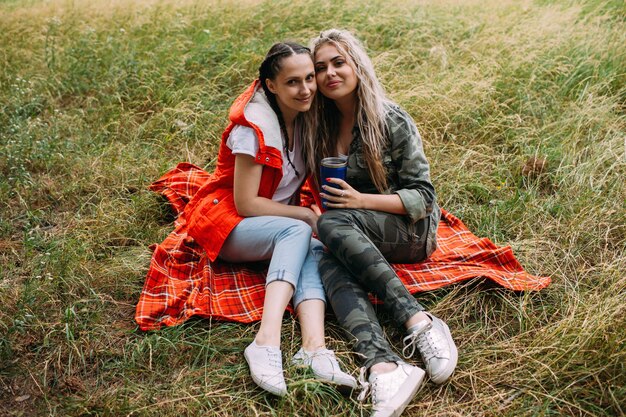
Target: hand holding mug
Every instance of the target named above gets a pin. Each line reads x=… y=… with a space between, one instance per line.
x=336 y=193
x=332 y=167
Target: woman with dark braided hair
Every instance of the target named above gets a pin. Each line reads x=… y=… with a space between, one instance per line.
x=249 y=212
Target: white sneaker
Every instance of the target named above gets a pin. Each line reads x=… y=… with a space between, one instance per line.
x=392 y=391
x=436 y=346
x=324 y=365
x=266 y=367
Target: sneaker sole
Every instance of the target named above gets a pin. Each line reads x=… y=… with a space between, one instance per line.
x=442 y=377
x=267 y=387
x=404 y=396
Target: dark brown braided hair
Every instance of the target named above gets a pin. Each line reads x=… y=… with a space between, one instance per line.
x=270 y=67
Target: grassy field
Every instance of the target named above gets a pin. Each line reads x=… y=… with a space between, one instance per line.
x=98 y=99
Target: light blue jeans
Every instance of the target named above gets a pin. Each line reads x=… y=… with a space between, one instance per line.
x=293 y=253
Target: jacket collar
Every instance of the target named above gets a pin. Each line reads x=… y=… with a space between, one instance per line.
x=259 y=113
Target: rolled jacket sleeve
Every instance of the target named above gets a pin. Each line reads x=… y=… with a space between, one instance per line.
x=413 y=171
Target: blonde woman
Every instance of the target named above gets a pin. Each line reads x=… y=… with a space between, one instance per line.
x=385 y=211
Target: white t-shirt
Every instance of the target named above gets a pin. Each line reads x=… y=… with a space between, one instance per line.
x=243 y=140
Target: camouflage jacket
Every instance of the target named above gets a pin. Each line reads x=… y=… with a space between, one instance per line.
x=408 y=171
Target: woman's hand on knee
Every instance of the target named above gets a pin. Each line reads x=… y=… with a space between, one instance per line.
x=310 y=216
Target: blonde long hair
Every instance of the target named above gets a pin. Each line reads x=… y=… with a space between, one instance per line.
x=371 y=107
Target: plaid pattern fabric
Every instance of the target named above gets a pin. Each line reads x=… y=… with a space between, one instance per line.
x=182 y=282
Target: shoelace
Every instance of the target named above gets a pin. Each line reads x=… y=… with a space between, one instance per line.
x=421 y=340
x=275 y=360
x=366 y=387
x=427 y=346
x=327 y=354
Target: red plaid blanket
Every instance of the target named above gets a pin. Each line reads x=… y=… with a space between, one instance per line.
x=182 y=282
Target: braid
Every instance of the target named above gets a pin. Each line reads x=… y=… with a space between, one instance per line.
x=283 y=130
x=270 y=67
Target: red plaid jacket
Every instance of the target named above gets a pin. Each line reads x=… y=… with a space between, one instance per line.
x=182 y=281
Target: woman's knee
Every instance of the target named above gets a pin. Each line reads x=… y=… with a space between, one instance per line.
x=297 y=228
x=329 y=221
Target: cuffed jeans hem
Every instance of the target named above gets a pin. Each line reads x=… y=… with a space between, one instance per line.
x=282 y=275
x=311 y=294
x=405 y=316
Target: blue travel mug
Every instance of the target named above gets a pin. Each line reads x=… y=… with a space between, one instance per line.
x=332 y=167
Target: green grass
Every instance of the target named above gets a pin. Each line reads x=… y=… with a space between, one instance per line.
x=98 y=100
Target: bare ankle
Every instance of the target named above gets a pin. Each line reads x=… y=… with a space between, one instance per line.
x=267 y=340
x=313 y=347
x=311 y=343
x=416 y=318
x=383 y=367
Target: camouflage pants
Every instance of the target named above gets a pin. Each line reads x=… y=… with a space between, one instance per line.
x=360 y=244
